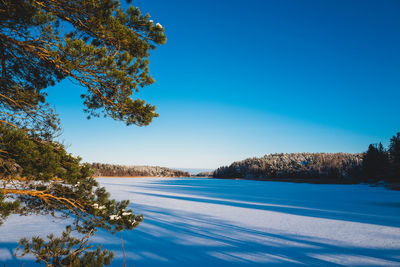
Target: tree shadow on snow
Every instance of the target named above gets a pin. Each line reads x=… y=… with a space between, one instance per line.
x=172 y=237
x=178 y=238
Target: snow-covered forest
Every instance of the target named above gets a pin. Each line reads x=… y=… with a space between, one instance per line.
x=340 y=167
x=101 y=169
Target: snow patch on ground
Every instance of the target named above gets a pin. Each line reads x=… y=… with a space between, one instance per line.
x=214 y=222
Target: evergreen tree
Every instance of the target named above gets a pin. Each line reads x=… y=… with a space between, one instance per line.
x=394 y=152
x=104 y=48
x=376 y=163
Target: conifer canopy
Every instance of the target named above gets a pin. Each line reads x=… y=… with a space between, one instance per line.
x=101 y=46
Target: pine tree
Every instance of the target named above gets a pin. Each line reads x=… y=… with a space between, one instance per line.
x=394 y=152
x=104 y=48
x=376 y=163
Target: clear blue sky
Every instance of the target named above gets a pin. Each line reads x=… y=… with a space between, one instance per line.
x=239 y=79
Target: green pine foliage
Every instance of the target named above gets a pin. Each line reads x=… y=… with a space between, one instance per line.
x=394 y=155
x=44 y=179
x=376 y=164
x=65 y=250
x=101 y=46
x=382 y=164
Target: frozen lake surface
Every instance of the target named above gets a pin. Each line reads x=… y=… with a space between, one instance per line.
x=198 y=222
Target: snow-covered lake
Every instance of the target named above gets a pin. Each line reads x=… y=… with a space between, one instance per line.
x=198 y=222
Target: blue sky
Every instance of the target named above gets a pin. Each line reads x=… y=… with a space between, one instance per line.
x=240 y=79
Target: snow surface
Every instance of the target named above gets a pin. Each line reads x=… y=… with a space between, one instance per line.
x=197 y=222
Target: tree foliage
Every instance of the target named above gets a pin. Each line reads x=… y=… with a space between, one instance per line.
x=98 y=44
x=382 y=164
x=104 y=48
x=101 y=169
x=65 y=250
x=376 y=163
x=394 y=155
x=316 y=167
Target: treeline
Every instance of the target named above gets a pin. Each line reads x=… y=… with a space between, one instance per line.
x=112 y=170
x=381 y=163
x=204 y=174
x=341 y=167
x=376 y=164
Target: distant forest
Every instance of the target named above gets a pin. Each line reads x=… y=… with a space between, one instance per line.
x=376 y=164
x=101 y=169
x=343 y=167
